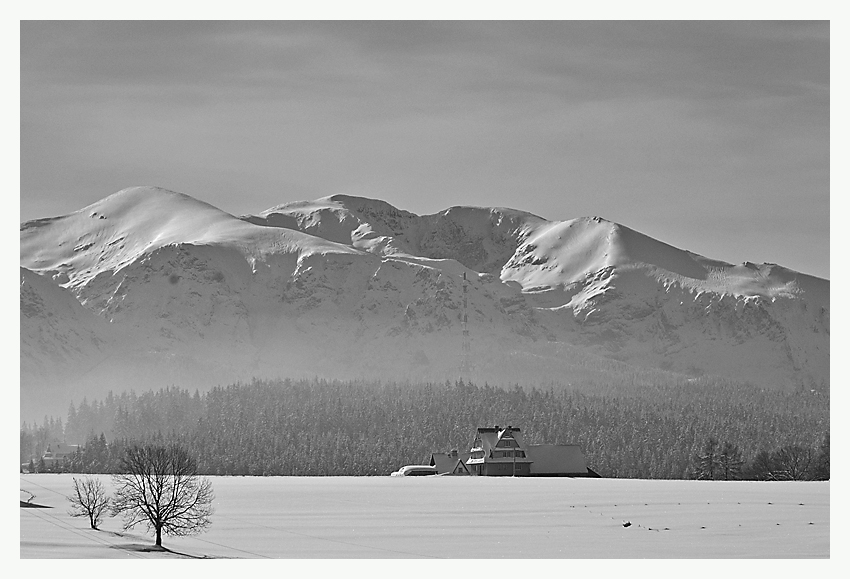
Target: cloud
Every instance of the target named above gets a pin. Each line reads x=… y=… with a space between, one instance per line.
x=625 y=116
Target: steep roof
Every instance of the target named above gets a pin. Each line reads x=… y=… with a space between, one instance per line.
x=460 y=468
x=61 y=450
x=447 y=462
x=490 y=436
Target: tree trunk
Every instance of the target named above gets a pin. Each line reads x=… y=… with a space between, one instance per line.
x=159 y=536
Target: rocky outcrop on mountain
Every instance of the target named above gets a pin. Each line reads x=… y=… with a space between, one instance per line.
x=148 y=287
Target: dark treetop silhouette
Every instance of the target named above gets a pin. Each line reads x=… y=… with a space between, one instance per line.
x=160 y=488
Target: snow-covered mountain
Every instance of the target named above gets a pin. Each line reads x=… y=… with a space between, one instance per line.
x=148 y=287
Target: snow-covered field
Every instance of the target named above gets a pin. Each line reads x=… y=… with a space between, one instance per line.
x=458 y=518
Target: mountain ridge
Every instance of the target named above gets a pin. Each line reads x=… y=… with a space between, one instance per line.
x=348 y=286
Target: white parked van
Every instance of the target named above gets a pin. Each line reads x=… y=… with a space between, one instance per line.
x=415 y=470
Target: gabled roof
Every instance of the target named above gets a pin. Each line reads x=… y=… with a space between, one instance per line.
x=447 y=462
x=460 y=468
x=490 y=436
x=61 y=450
x=488 y=439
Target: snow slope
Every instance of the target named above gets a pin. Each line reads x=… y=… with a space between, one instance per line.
x=482 y=239
x=175 y=291
x=452 y=518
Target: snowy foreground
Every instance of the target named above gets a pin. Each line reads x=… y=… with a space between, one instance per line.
x=458 y=518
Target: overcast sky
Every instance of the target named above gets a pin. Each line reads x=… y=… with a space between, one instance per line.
x=710 y=136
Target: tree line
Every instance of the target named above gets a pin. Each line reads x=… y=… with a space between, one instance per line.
x=792 y=462
x=318 y=427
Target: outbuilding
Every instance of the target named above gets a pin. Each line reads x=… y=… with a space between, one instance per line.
x=558 y=460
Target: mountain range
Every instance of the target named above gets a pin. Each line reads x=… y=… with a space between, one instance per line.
x=149 y=288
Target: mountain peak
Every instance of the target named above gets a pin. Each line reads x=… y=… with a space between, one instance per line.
x=171 y=289
x=148 y=199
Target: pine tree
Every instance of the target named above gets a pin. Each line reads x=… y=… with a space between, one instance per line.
x=708 y=461
x=730 y=462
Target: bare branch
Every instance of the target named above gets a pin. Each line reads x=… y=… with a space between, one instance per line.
x=89 y=500
x=161 y=489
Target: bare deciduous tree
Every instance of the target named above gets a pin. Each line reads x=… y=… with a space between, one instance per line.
x=821 y=469
x=794 y=462
x=160 y=488
x=762 y=467
x=89 y=500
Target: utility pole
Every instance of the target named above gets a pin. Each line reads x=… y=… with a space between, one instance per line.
x=465 y=363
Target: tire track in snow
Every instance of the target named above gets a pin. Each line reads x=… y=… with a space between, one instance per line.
x=56 y=521
x=232 y=548
x=358 y=545
x=62 y=525
x=418 y=555
x=45 y=488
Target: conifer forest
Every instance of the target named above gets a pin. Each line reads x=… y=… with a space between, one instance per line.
x=704 y=428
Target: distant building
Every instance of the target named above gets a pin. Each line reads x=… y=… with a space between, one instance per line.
x=450 y=462
x=500 y=451
x=57 y=456
x=558 y=460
